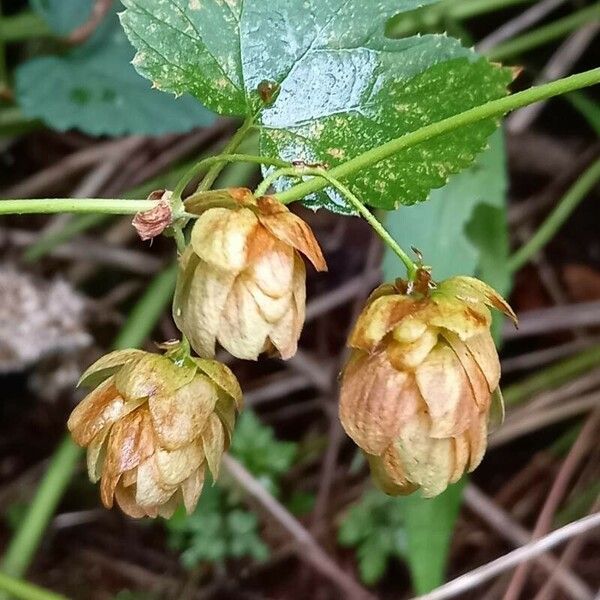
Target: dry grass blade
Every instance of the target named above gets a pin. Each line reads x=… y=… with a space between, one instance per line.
x=508 y=528
x=557 y=492
x=520 y=23
x=478 y=576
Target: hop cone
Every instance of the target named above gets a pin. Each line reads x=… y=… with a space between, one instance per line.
x=421 y=381
x=242 y=280
x=151 y=427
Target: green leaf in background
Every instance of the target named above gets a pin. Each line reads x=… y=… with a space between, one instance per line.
x=222 y=527
x=256 y=446
x=429 y=525
x=94 y=87
x=375 y=527
x=337 y=85
x=461 y=230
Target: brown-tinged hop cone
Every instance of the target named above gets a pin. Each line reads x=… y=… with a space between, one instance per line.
x=152 y=426
x=242 y=282
x=422 y=381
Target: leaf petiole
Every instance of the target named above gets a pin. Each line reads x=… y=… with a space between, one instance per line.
x=231 y=147
x=221 y=160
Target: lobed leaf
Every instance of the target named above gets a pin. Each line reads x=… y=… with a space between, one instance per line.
x=322 y=83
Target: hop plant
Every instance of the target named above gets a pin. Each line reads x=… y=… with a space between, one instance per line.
x=152 y=425
x=421 y=381
x=241 y=281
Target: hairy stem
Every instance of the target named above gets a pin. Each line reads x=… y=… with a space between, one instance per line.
x=556 y=218
x=28 y=535
x=547 y=33
x=492 y=109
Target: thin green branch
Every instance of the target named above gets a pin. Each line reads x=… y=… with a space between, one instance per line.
x=220 y=160
x=411 y=267
x=272 y=177
x=104 y=206
x=82 y=223
x=26 y=539
x=545 y=34
x=556 y=218
x=230 y=148
x=26 y=591
x=492 y=109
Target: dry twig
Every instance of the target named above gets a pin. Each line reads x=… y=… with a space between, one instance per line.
x=308 y=549
x=509 y=529
x=557 y=492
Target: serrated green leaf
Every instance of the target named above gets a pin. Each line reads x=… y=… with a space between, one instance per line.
x=94 y=87
x=375 y=527
x=341 y=86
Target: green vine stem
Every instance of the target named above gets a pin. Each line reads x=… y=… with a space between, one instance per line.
x=230 y=148
x=82 y=223
x=411 y=267
x=492 y=109
x=120 y=206
x=26 y=591
x=28 y=535
x=557 y=217
x=547 y=33
x=220 y=161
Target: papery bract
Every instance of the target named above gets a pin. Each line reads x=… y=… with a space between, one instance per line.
x=242 y=281
x=151 y=428
x=417 y=391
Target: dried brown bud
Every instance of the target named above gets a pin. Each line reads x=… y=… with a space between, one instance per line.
x=153 y=222
x=151 y=427
x=422 y=379
x=242 y=280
